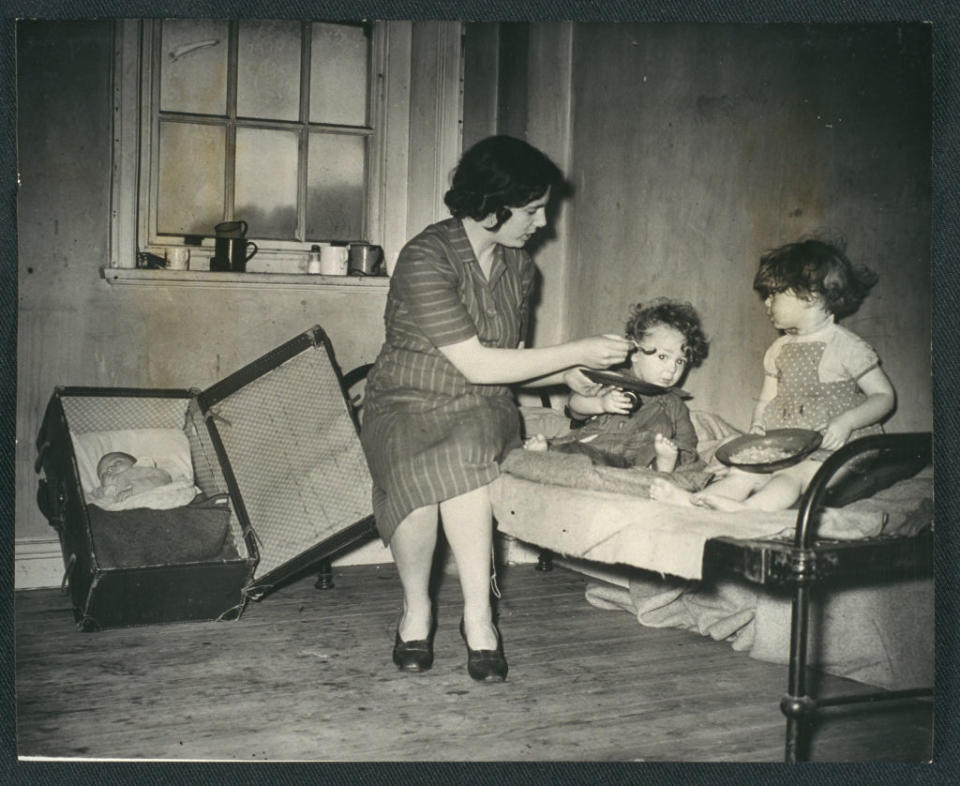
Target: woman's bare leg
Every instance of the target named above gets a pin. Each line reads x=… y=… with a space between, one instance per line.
x=468 y=525
x=412 y=546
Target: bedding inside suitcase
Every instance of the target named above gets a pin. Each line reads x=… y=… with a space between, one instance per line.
x=280 y=479
x=151 y=529
x=141 y=565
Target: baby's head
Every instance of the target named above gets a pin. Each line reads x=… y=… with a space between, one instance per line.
x=815 y=270
x=112 y=464
x=669 y=340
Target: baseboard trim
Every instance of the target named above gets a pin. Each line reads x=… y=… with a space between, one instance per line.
x=38 y=563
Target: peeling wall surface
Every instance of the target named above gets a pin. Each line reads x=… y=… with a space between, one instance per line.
x=697 y=148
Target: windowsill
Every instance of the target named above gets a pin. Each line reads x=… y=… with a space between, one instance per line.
x=122 y=276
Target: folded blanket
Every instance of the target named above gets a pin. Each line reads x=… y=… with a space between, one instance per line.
x=135 y=538
x=578 y=471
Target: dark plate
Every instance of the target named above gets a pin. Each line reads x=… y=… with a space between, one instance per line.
x=799 y=442
x=618 y=380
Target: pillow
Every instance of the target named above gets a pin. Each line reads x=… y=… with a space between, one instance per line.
x=711 y=427
x=166 y=448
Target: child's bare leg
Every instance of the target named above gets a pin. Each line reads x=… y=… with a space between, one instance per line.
x=784 y=487
x=730 y=491
x=734 y=486
x=774 y=492
x=663 y=490
x=667 y=453
x=779 y=493
x=538 y=443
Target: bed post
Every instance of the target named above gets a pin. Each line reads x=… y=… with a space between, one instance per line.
x=796 y=705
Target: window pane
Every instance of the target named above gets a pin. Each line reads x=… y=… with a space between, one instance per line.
x=335 y=187
x=266 y=190
x=193 y=66
x=191 y=178
x=268 y=70
x=338 y=75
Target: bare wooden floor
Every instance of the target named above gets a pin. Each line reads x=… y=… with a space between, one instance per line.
x=307 y=675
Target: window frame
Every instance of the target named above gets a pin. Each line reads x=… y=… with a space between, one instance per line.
x=136 y=88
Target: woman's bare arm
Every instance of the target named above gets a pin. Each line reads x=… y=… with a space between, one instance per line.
x=495 y=366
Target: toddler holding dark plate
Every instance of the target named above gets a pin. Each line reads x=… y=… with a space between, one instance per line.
x=817 y=375
x=639 y=418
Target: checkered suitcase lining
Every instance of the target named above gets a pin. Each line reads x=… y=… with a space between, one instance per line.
x=296 y=455
x=112 y=413
x=115 y=413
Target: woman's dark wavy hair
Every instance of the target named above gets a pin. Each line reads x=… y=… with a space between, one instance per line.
x=498 y=173
x=815 y=268
x=677 y=314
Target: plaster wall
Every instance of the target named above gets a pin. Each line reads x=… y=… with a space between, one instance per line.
x=74 y=327
x=692 y=149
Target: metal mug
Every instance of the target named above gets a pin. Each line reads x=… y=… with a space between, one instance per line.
x=231 y=228
x=230 y=247
x=365 y=260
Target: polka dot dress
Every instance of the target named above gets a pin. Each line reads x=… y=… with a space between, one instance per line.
x=802 y=400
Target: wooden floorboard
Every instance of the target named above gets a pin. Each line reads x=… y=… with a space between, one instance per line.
x=306 y=675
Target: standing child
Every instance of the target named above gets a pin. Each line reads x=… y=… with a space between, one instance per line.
x=659 y=434
x=817 y=375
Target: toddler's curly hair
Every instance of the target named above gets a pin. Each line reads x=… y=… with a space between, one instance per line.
x=677 y=314
x=815 y=268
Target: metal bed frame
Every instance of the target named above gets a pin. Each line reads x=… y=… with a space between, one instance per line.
x=879 y=460
x=870 y=463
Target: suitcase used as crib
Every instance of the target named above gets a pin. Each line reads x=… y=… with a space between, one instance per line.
x=283 y=486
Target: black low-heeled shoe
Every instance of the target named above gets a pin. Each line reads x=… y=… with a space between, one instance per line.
x=415 y=655
x=485 y=665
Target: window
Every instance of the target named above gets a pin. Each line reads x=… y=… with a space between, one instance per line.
x=282 y=124
x=301 y=129
x=263 y=121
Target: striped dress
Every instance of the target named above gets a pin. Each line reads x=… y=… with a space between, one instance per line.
x=428 y=433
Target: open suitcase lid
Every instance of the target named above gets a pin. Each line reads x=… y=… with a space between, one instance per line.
x=289 y=446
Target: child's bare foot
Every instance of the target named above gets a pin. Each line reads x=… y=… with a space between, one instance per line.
x=717 y=502
x=667 y=453
x=664 y=491
x=538 y=443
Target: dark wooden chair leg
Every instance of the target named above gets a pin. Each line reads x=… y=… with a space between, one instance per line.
x=324 y=576
x=545 y=560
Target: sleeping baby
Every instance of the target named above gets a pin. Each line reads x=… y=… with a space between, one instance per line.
x=121 y=477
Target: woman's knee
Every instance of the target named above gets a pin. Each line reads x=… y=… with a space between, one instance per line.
x=474 y=501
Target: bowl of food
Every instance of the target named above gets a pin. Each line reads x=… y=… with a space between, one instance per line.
x=777 y=449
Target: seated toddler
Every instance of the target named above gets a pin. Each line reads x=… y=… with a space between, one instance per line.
x=653 y=431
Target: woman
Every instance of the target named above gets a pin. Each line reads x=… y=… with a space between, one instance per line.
x=438 y=415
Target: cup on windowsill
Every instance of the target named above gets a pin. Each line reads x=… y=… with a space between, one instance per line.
x=178 y=258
